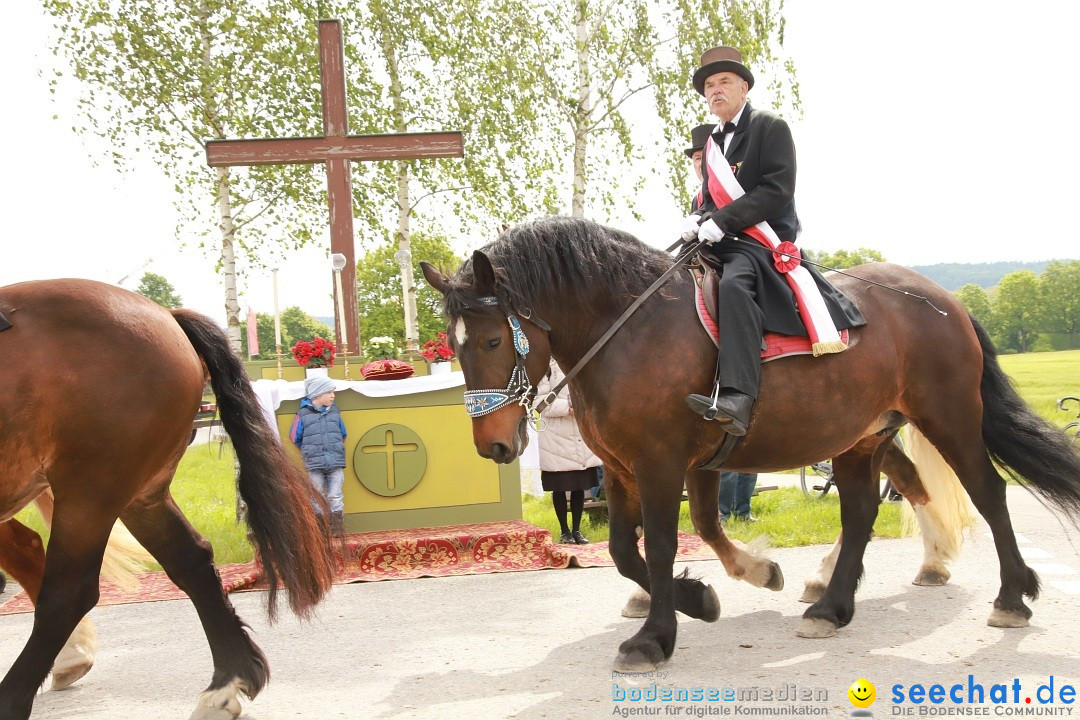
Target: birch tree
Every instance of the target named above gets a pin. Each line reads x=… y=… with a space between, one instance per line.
x=418 y=66
x=599 y=71
x=164 y=76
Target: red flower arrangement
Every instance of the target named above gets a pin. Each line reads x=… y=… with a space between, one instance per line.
x=316 y=353
x=437 y=350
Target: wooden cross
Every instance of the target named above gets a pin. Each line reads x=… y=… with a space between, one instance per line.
x=337 y=149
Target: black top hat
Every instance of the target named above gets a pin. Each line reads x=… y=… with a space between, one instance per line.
x=698 y=137
x=721 y=59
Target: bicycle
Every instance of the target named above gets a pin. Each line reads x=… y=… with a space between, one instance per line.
x=1074 y=426
x=823 y=470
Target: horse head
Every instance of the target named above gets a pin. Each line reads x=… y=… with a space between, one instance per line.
x=503 y=350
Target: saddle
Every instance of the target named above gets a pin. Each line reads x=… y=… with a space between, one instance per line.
x=773 y=345
x=4 y=323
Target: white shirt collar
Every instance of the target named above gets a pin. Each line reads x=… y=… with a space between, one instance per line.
x=738 y=115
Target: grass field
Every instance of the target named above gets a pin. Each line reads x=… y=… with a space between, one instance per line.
x=1043 y=378
x=786 y=516
x=204 y=486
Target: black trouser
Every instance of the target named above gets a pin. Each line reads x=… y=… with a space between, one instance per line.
x=740 y=321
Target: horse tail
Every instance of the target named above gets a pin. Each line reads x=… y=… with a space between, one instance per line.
x=124 y=557
x=1031 y=450
x=943 y=519
x=293 y=542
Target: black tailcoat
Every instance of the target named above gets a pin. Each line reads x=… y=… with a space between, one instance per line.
x=762 y=155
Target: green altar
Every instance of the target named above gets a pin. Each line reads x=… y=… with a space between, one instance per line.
x=410 y=459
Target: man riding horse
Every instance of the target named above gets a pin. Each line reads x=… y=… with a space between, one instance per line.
x=747 y=198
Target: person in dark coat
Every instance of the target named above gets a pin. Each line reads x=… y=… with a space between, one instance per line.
x=698 y=137
x=755 y=297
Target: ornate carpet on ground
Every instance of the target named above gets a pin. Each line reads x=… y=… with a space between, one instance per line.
x=401 y=554
x=153 y=586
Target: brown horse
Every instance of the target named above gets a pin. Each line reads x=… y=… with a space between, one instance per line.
x=97 y=395
x=909 y=364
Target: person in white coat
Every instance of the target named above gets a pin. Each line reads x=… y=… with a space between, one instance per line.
x=566 y=463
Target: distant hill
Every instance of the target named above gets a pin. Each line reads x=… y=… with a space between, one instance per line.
x=953 y=276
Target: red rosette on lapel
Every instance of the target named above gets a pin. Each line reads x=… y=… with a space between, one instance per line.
x=786 y=257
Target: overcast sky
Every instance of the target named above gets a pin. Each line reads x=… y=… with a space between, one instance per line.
x=936 y=131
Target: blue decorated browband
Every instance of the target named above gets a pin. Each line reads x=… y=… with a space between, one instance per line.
x=481 y=402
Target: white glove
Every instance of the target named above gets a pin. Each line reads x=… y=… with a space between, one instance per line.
x=689 y=229
x=710 y=232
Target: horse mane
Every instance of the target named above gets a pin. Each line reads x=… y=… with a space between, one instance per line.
x=576 y=260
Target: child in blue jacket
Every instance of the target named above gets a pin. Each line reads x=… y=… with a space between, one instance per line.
x=320 y=434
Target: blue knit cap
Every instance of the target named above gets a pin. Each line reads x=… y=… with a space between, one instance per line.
x=316 y=386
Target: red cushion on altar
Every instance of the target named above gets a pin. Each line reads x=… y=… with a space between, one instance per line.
x=386 y=370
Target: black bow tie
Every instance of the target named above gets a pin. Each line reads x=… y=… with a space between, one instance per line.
x=721 y=133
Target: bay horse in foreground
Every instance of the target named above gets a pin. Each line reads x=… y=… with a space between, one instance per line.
x=909 y=364
x=98 y=391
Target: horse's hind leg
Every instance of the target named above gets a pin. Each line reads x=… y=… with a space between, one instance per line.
x=692 y=597
x=959 y=440
x=814 y=587
x=239 y=665
x=905 y=479
x=702 y=488
x=940 y=530
x=23 y=555
x=854 y=472
x=69 y=589
x=941 y=508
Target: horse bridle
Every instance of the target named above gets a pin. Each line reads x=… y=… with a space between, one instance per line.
x=519 y=390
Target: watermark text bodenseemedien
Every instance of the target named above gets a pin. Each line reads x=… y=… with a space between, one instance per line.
x=652 y=692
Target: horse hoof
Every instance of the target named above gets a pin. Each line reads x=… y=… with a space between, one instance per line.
x=68 y=676
x=220 y=703
x=710 y=601
x=1006 y=619
x=816 y=628
x=931 y=577
x=776 y=578
x=812 y=592
x=209 y=713
x=76 y=657
x=638 y=604
x=634 y=661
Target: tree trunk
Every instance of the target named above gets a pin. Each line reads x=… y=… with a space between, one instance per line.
x=584 y=112
x=405 y=263
x=224 y=200
x=404 y=253
x=228 y=259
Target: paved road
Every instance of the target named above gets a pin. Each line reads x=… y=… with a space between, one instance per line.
x=540 y=644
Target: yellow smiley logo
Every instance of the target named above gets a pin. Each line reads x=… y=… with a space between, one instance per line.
x=862 y=693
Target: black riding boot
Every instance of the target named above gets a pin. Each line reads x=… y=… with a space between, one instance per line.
x=738 y=364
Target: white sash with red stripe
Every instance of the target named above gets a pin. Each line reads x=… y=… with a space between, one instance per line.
x=724 y=188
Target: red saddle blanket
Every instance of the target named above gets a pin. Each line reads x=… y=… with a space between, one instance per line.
x=774 y=345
